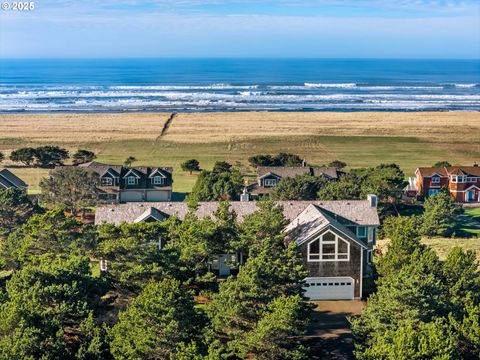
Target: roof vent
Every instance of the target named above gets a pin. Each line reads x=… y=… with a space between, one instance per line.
x=111 y=209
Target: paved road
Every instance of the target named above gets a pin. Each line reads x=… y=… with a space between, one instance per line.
x=330 y=336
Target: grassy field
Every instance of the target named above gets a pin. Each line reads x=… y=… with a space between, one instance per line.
x=443 y=245
x=360 y=139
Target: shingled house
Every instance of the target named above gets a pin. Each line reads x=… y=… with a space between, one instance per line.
x=269 y=176
x=335 y=237
x=10 y=180
x=463 y=182
x=119 y=184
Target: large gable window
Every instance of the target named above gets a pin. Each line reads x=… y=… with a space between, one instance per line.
x=329 y=247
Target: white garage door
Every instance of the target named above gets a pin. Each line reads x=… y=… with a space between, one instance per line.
x=131 y=196
x=329 y=288
x=157 y=196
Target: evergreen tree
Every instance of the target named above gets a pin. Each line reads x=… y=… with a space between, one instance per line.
x=156 y=323
x=23 y=155
x=190 y=166
x=301 y=187
x=83 y=156
x=50 y=156
x=15 y=209
x=439 y=216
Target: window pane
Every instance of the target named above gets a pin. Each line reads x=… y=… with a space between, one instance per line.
x=329 y=237
x=314 y=257
x=328 y=249
x=342 y=247
x=315 y=247
x=342 y=256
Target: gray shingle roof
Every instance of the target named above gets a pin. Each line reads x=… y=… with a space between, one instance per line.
x=357 y=211
x=311 y=221
x=9 y=180
x=290 y=171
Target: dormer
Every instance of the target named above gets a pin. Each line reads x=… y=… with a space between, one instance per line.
x=157 y=177
x=269 y=180
x=132 y=177
x=109 y=178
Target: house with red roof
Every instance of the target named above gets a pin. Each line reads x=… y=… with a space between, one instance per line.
x=462 y=182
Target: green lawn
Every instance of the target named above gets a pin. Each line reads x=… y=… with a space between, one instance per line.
x=357 y=151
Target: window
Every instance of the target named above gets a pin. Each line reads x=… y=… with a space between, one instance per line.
x=329 y=247
x=454 y=178
x=106 y=181
x=471 y=179
x=269 y=182
x=435 y=180
x=433 y=192
x=369 y=256
x=131 y=180
x=157 y=180
x=361 y=231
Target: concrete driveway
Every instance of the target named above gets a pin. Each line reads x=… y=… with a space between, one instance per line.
x=330 y=336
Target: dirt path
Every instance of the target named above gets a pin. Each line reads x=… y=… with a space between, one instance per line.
x=166 y=125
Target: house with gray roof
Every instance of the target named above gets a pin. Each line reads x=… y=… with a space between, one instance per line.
x=335 y=238
x=121 y=184
x=269 y=176
x=10 y=180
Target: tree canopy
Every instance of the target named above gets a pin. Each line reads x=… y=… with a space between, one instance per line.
x=83 y=156
x=190 y=165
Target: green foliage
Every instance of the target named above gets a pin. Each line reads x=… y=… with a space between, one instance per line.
x=23 y=155
x=50 y=156
x=129 y=161
x=442 y=164
x=282 y=159
x=83 y=156
x=386 y=181
x=44 y=306
x=15 y=209
x=156 y=323
x=133 y=254
x=273 y=271
x=71 y=187
x=404 y=240
x=46 y=235
x=337 y=164
x=222 y=183
x=439 y=216
x=301 y=187
x=190 y=165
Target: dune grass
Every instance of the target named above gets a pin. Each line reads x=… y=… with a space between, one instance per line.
x=360 y=139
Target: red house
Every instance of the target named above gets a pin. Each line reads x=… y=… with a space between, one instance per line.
x=463 y=182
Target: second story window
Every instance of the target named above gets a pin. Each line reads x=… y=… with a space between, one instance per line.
x=269 y=182
x=435 y=180
x=361 y=231
x=132 y=180
x=329 y=247
x=157 y=180
x=106 y=181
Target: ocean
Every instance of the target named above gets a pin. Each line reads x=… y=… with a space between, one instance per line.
x=118 y=85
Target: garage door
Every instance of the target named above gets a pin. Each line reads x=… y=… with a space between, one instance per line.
x=131 y=196
x=158 y=196
x=331 y=288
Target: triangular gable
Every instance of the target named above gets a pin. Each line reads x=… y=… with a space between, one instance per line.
x=151 y=213
x=472 y=187
x=270 y=174
x=132 y=171
x=110 y=171
x=159 y=172
x=312 y=221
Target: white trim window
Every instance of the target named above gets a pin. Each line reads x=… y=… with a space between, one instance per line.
x=471 y=179
x=132 y=180
x=106 y=181
x=270 y=182
x=328 y=247
x=436 y=180
x=157 y=180
x=362 y=232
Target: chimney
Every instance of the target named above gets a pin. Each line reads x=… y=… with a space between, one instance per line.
x=304 y=163
x=373 y=200
x=475 y=164
x=245 y=196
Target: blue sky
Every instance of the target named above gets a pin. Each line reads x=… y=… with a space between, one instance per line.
x=243 y=28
